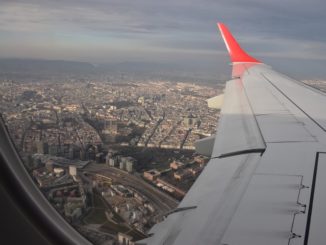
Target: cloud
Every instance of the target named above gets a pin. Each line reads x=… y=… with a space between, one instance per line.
x=144 y=28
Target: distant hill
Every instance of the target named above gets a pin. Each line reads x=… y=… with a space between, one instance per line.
x=37 y=70
x=34 y=66
x=132 y=66
x=170 y=71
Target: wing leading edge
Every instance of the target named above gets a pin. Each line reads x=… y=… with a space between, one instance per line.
x=266 y=170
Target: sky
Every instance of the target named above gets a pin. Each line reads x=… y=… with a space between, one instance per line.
x=289 y=35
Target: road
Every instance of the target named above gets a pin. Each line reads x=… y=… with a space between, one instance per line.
x=160 y=199
x=154 y=130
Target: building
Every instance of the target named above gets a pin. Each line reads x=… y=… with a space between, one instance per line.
x=112 y=153
x=141 y=100
x=90 y=153
x=195 y=170
x=73 y=211
x=82 y=155
x=182 y=174
x=176 y=165
x=73 y=170
x=177 y=191
x=65 y=151
x=125 y=239
x=42 y=147
x=73 y=151
x=151 y=175
x=36 y=162
x=49 y=165
x=129 y=166
x=44 y=178
x=111 y=160
x=190 y=121
x=200 y=159
x=122 y=165
x=58 y=172
x=99 y=157
x=127 y=163
x=53 y=150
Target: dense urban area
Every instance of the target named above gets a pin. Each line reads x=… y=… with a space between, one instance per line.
x=112 y=158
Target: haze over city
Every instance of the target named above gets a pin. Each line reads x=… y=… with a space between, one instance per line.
x=181 y=33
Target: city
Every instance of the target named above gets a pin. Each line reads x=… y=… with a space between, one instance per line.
x=113 y=158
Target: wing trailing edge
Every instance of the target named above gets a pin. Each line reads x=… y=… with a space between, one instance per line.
x=237 y=54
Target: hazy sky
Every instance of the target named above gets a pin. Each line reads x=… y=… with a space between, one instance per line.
x=288 y=34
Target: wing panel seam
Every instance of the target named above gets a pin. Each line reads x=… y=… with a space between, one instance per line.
x=311 y=201
x=321 y=127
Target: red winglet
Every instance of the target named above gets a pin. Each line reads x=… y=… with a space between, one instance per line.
x=237 y=54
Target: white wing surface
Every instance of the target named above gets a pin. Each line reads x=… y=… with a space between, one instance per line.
x=264 y=183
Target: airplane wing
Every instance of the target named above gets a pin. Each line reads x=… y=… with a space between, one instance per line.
x=264 y=183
